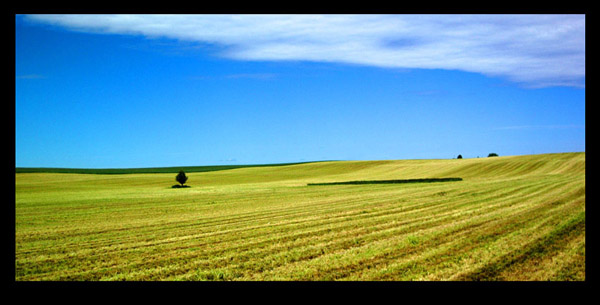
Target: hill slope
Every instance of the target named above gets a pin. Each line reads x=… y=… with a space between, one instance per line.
x=509 y=218
x=142 y=170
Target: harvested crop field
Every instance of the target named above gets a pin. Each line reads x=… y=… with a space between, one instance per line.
x=508 y=218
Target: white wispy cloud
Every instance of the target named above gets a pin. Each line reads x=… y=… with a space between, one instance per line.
x=528 y=127
x=254 y=76
x=534 y=50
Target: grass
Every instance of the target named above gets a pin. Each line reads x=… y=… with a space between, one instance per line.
x=146 y=170
x=509 y=218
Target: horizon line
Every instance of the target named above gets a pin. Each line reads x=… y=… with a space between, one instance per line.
x=257 y=164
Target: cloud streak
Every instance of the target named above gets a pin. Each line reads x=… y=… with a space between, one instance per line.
x=253 y=76
x=533 y=50
x=529 y=127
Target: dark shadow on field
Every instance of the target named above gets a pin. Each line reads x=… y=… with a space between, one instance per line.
x=423 y=180
x=178 y=186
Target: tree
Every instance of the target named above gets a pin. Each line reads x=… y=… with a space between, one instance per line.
x=493 y=155
x=181 y=177
x=459 y=157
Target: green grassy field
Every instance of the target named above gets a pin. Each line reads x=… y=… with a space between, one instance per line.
x=509 y=218
x=145 y=170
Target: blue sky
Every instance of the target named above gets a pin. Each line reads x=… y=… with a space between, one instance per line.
x=95 y=91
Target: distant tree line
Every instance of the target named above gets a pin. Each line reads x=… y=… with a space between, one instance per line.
x=490 y=155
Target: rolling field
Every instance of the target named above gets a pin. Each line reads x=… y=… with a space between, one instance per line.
x=508 y=218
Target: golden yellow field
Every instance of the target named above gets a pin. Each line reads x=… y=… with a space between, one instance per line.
x=510 y=218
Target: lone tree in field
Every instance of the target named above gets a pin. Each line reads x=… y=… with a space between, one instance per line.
x=493 y=155
x=459 y=157
x=181 y=177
